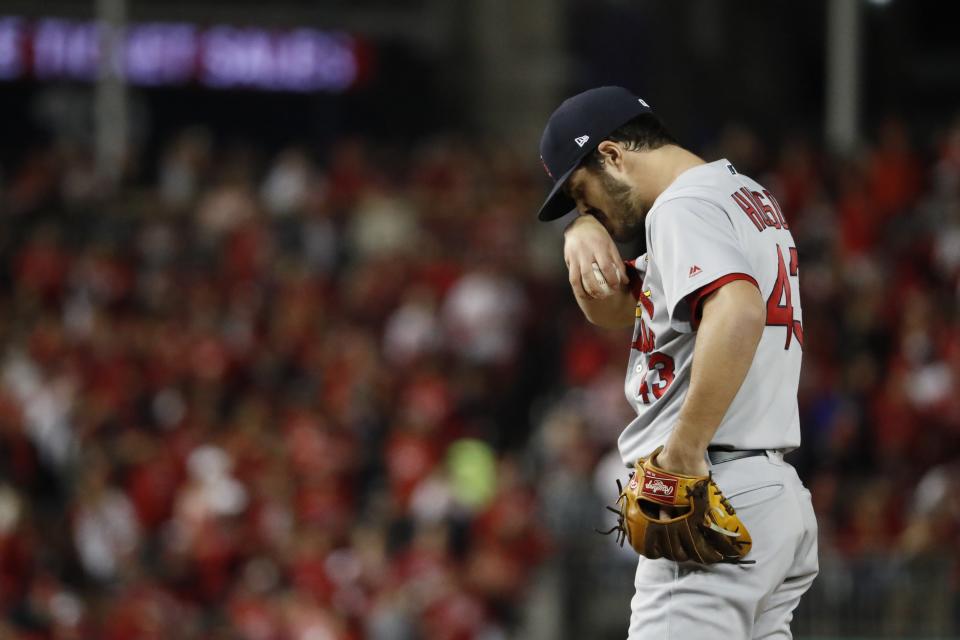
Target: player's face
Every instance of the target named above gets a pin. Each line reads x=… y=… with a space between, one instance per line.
x=610 y=200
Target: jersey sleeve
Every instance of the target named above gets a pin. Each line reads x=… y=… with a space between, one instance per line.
x=696 y=249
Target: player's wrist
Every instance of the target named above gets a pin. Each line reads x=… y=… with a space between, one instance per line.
x=683 y=457
x=578 y=221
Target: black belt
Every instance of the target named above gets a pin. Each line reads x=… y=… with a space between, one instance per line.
x=719 y=456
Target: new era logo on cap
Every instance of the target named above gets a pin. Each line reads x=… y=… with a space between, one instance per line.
x=582 y=140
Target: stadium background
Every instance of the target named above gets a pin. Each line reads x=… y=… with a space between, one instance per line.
x=285 y=355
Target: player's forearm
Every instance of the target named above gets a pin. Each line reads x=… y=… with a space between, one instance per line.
x=613 y=312
x=727 y=339
x=597 y=275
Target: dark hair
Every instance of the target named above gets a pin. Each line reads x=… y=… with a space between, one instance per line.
x=643 y=133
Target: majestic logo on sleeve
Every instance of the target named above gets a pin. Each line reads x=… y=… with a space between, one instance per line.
x=694 y=270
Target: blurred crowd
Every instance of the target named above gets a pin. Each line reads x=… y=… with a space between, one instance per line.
x=289 y=397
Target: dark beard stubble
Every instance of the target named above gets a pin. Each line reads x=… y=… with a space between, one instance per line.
x=628 y=213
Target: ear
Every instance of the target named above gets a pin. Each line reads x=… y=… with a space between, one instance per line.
x=612 y=154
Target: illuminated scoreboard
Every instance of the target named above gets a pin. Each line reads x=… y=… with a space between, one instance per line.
x=172 y=54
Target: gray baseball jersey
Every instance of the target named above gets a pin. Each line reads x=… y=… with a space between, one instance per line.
x=711 y=226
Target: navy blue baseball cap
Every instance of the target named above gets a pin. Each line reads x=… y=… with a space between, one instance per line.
x=574 y=130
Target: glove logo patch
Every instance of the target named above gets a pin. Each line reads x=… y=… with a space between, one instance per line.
x=659 y=488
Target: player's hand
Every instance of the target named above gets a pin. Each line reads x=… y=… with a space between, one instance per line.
x=594 y=264
x=676 y=460
x=686 y=464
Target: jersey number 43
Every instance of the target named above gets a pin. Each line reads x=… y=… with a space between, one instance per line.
x=780 y=302
x=779 y=314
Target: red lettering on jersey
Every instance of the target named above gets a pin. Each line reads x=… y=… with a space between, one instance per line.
x=798 y=331
x=644 y=392
x=776 y=209
x=766 y=210
x=762 y=208
x=645 y=339
x=646 y=302
x=664 y=366
x=780 y=302
x=794 y=261
x=794 y=271
x=747 y=205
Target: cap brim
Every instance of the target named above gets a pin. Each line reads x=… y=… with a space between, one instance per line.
x=558 y=203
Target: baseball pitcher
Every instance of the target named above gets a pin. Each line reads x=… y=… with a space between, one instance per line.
x=725 y=529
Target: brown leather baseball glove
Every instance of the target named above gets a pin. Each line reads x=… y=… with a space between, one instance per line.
x=679 y=517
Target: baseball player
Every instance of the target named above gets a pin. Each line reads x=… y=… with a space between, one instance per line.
x=713 y=368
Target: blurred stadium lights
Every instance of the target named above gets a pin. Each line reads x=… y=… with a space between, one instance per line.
x=470 y=48
x=177 y=53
